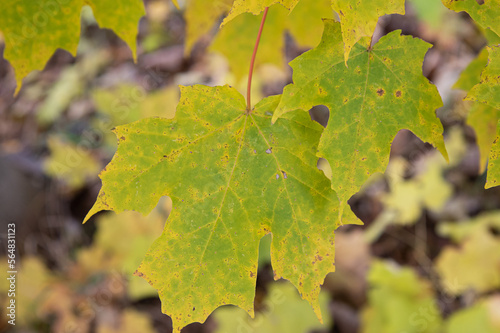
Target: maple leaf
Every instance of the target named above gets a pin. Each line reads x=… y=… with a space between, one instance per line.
x=304 y=23
x=481 y=117
x=287 y=313
x=69 y=163
x=33 y=30
x=486 y=14
x=358 y=18
x=255 y=7
x=488 y=93
x=232 y=178
x=396 y=295
x=481 y=251
x=200 y=16
x=380 y=92
x=482 y=317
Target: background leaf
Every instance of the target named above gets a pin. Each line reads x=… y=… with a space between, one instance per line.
x=304 y=23
x=255 y=7
x=33 y=30
x=285 y=311
x=485 y=14
x=369 y=102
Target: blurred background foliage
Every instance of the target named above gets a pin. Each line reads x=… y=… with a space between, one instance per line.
x=427 y=258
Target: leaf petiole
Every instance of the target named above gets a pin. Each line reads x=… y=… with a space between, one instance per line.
x=252 y=61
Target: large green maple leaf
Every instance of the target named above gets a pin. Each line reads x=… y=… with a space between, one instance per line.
x=33 y=30
x=232 y=178
x=380 y=92
x=487 y=92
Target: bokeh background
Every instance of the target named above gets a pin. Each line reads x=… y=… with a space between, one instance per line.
x=427 y=258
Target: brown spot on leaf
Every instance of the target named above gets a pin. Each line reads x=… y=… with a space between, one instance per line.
x=380 y=92
x=398 y=93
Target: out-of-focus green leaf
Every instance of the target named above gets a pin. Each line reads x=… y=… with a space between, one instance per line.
x=70 y=163
x=70 y=85
x=33 y=30
x=131 y=321
x=486 y=14
x=480 y=250
x=488 y=92
x=428 y=189
x=459 y=231
x=120 y=244
x=284 y=311
x=484 y=120
x=127 y=103
x=255 y=7
x=472 y=74
x=33 y=280
x=201 y=16
x=484 y=317
x=358 y=19
x=304 y=23
x=430 y=11
x=399 y=301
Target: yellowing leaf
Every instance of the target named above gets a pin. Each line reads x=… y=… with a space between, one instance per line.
x=471 y=75
x=131 y=321
x=458 y=232
x=71 y=163
x=31 y=291
x=358 y=18
x=486 y=14
x=426 y=190
x=127 y=102
x=120 y=244
x=200 y=16
x=484 y=120
x=255 y=7
x=488 y=92
x=33 y=30
x=380 y=92
x=483 y=316
x=399 y=301
x=304 y=23
x=406 y=200
x=481 y=251
x=431 y=12
x=232 y=178
x=284 y=311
